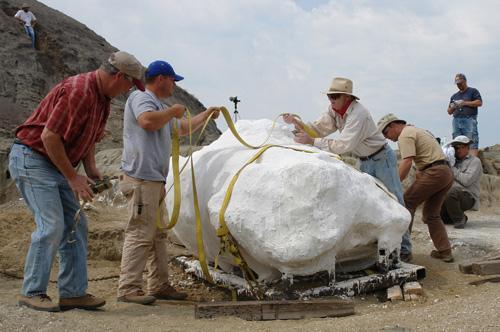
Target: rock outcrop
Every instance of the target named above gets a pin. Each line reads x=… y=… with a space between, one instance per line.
x=64 y=47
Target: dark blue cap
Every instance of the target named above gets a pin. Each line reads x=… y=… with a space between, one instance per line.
x=160 y=67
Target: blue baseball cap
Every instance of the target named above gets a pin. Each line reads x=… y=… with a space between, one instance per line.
x=160 y=67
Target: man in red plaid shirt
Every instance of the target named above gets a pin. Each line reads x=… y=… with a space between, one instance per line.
x=61 y=133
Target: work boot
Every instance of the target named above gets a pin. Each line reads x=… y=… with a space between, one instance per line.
x=38 y=302
x=405 y=257
x=86 y=302
x=461 y=224
x=169 y=293
x=444 y=255
x=137 y=297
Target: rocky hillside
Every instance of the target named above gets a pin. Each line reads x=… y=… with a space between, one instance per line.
x=64 y=47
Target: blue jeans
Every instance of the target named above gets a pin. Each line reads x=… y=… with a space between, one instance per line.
x=384 y=167
x=467 y=126
x=31 y=33
x=53 y=204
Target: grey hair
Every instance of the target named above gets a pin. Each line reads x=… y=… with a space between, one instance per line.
x=109 y=68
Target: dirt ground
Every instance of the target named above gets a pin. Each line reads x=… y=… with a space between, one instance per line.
x=449 y=304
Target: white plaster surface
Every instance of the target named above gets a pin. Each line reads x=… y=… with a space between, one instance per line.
x=292 y=213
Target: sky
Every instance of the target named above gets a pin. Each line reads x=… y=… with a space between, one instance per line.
x=279 y=55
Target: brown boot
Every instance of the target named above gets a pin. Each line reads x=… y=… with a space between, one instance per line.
x=137 y=297
x=86 y=302
x=169 y=293
x=444 y=255
x=38 y=302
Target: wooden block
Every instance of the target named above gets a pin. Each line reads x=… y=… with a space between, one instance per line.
x=413 y=287
x=466 y=268
x=394 y=293
x=486 y=267
x=271 y=310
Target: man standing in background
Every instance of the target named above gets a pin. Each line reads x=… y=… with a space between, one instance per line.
x=463 y=106
x=26 y=17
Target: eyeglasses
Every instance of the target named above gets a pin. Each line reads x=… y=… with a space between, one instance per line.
x=128 y=78
x=334 y=96
x=386 y=129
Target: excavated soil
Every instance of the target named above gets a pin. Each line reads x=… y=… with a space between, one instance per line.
x=449 y=304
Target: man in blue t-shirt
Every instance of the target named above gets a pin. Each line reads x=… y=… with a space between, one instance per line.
x=145 y=162
x=463 y=106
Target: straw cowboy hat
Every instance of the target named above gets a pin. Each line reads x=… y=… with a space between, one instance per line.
x=341 y=85
x=25 y=5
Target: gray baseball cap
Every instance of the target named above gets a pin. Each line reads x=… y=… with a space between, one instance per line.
x=128 y=64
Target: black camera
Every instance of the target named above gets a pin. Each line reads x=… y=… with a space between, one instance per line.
x=234 y=99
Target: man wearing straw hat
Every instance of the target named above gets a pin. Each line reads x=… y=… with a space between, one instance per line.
x=359 y=135
x=432 y=181
x=26 y=17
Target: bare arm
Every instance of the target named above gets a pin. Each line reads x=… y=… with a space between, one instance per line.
x=90 y=166
x=473 y=103
x=450 y=110
x=55 y=149
x=404 y=167
x=152 y=121
x=197 y=121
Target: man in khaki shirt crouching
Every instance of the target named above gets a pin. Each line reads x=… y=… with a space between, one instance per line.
x=433 y=179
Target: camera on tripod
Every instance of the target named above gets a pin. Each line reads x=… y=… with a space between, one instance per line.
x=235 y=100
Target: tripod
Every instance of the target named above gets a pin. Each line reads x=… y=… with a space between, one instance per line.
x=235 y=100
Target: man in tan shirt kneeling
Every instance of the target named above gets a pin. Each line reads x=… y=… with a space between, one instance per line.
x=432 y=182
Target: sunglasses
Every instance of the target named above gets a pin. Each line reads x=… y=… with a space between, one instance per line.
x=334 y=96
x=386 y=129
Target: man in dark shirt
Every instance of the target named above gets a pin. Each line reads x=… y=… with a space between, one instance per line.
x=463 y=106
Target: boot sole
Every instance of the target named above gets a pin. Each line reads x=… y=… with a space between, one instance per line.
x=83 y=307
x=25 y=304
x=144 y=302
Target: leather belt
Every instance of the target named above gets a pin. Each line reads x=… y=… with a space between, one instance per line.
x=436 y=163
x=373 y=154
x=18 y=141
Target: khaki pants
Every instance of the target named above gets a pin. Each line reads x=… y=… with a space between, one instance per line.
x=144 y=244
x=430 y=187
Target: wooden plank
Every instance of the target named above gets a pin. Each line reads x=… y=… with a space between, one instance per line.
x=486 y=267
x=483 y=281
x=466 y=267
x=272 y=310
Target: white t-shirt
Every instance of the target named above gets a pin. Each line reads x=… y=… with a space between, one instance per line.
x=27 y=17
